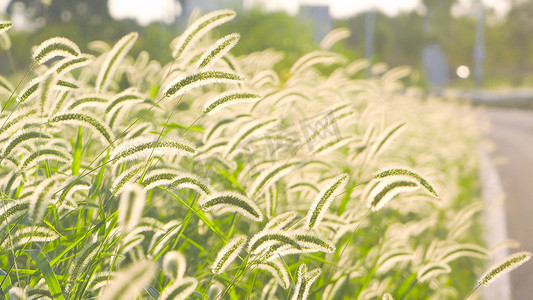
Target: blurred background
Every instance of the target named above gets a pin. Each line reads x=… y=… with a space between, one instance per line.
x=464 y=44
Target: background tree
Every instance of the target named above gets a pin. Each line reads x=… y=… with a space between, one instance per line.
x=57 y=11
x=398 y=39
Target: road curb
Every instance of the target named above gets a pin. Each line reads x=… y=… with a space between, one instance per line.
x=495 y=224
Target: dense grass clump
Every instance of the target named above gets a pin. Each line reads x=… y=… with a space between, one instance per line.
x=214 y=177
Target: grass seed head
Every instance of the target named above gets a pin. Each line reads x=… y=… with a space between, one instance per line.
x=234 y=202
x=324 y=199
x=5 y=25
x=55 y=47
x=198 y=29
x=510 y=263
x=228 y=254
x=174 y=265
x=130 y=207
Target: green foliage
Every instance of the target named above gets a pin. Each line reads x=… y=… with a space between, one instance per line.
x=277 y=30
x=167 y=197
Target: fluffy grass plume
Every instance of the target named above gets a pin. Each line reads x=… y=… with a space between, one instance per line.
x=234 y=202
x=228 y=254
x=40 y=198
x=66 y=85
x=357 y=66
x=400 y=171
x=55 y=47
x=12 y=210
x=127 y=97
x=45 y=154
x=323 y=200
x=29 y=234
x=85 y=119
x=216 y=126
x=5 y=25
x=396 y=74
x=217 y=50
x=314 y=58
x=384 y=138
x=449 y=253
x=17 y=120
x=242 y=135
x=432 y=270
x=329 y=121
x=265 y=77
x=333 y=144
x=184 y=83
x=85 y=255
x=70 y=188
x=387 y=296
x=199 y=28
x=71 y=63
x=229 y=98
x=59 y=101
x=129 y=175
x=180 y=290
x=176 y=179
x=305 y=279
x=22 y=138
x=191 y=181
x=85 y=101
x=100 y=280
x=17 y=293
x=510 y=263
x=391 y=257
x=163 y=237
x=137 y=130
x=333 y=37
x=312 y=243
x=113 y=60
x=278 y=271
x=49 y=81
x=269 y=177
x=210 y=149
x=174 y=265
x=384 y=191
x=29 y=90
x=281 y=220
x=130 y=207
x=143 y=147
x=268 y=238
x=269 y=290
x=129 y=282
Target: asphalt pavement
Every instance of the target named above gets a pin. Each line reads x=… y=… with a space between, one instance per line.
x=512 y=132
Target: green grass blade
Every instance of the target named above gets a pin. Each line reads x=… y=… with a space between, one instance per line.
x=76 y=157
x=57 y=259
x=49 y=276
x=231 y=178
x=197 y=211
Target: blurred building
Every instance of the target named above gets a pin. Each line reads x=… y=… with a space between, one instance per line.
x=435 y=65
x=320 y=17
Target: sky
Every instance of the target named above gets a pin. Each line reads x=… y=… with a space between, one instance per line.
x=146 y=11
x=345 y=8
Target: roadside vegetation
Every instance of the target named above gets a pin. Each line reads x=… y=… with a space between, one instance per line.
x=215 y=176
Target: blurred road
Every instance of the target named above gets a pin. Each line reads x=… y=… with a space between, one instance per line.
x=512 y=131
